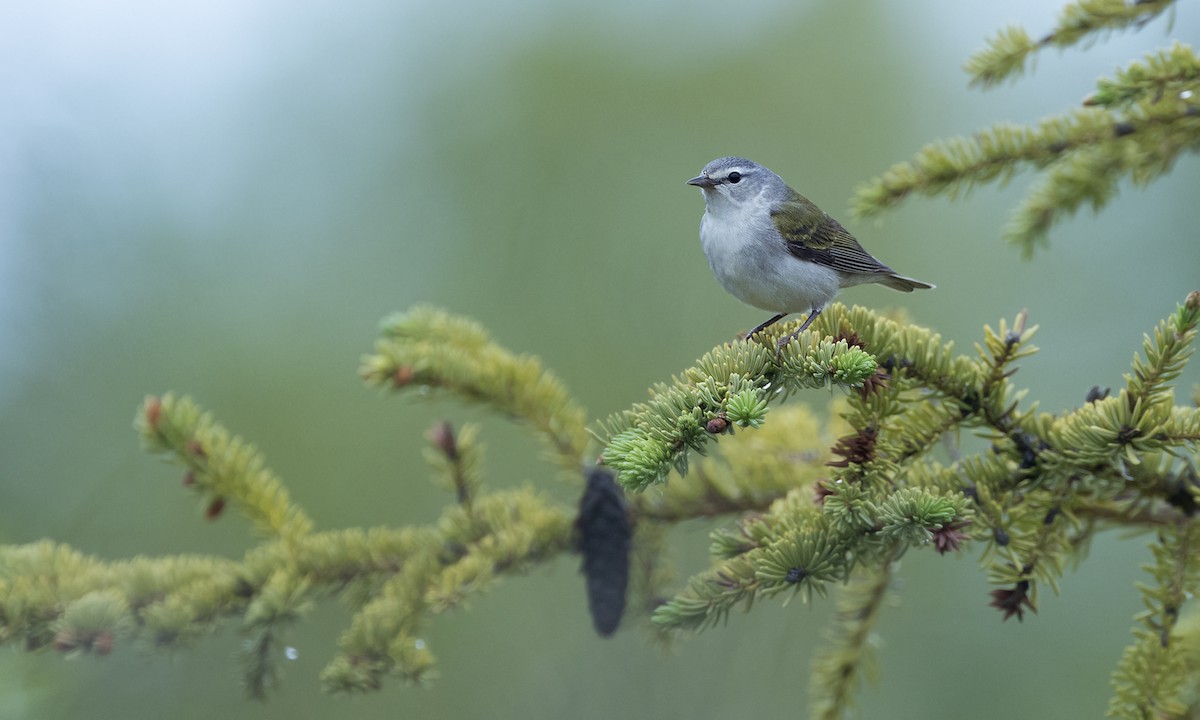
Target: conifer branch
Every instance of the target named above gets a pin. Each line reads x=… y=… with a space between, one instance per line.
x=220 y=466
x=847 y=654
x=753 y=470
x=1085 y=152
x=1135 y=125
x=811 y=511
x=427 y=347
x=1163 y=73
x=392 y=579
x=811 y=504
x=457 y=459
x=1008 y=52
x=731 y=384
x=1154 y=673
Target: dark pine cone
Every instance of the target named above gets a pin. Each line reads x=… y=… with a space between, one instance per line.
x=604 y=539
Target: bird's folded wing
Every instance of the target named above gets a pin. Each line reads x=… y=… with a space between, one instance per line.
x=811 y=235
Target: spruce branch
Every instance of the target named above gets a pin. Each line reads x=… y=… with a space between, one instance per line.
x=1135 y=126
x=731 y=383
x=1152 y=678
x=1007 y=53
x=221 y=466
x=847 y=654
x=281 y=601
x=752 y=471
x=430 y=348
x=456 y=459
x=1034 y=508
x=810 y=504
x=393 y=580
x=1170 y=71
x=813 y=505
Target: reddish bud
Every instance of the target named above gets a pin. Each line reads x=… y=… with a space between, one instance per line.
x=855 y=449
x=718 y=424
x=195 y=448
x=215 y=508
x=103 y=643
x=65 y=641
x=402 y=376
x=949 y=537
x=441 y=436
x=873 y=384
x=821 y=490
x=852 y=339
x=153 y=411
x=1014 y=601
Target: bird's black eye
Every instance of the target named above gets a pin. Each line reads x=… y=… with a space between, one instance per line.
x=734 y=177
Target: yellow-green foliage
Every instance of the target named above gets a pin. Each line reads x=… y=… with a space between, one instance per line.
x=1136 y=125
x=848 y=652
x=391 y=578
x=732 y=385
x=431 y=348
x=1035 y=496
x=1157 y=675
x=223 y=467
x=814 y=504
x=1007 y=53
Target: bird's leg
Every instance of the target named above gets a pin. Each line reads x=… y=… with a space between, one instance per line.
x=804 y=326
x=766 y=324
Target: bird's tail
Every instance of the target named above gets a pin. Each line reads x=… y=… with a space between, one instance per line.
x=904 y=284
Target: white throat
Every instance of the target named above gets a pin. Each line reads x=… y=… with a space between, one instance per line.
x=752 y=262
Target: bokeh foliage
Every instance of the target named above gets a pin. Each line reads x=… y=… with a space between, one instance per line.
x=712 y=488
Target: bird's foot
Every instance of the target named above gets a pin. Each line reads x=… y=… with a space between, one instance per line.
x=783 y=341
x=763 y=325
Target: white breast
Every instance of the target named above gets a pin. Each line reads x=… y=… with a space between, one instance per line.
x=751 y=262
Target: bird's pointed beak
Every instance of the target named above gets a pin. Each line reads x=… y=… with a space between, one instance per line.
x=702 y=181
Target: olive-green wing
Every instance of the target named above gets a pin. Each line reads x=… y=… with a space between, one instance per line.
x=812 y=235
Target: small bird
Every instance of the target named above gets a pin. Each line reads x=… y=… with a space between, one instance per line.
x=772 y=248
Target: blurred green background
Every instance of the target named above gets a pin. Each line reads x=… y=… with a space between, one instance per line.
x=223 y=198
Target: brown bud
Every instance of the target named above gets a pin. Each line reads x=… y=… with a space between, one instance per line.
x=1193 y=300
x=950 y=537
x=876 y=383
x=1013 y=601
x=856 y=449
x=65 y=641
x=852 y=339
x=717 y=425
x=215 y=508
x=402 y=376
x=195 y=448
x=821 y=490
x=441 y=436
x=103 y=643
x=189 y=479
x=153 y=411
